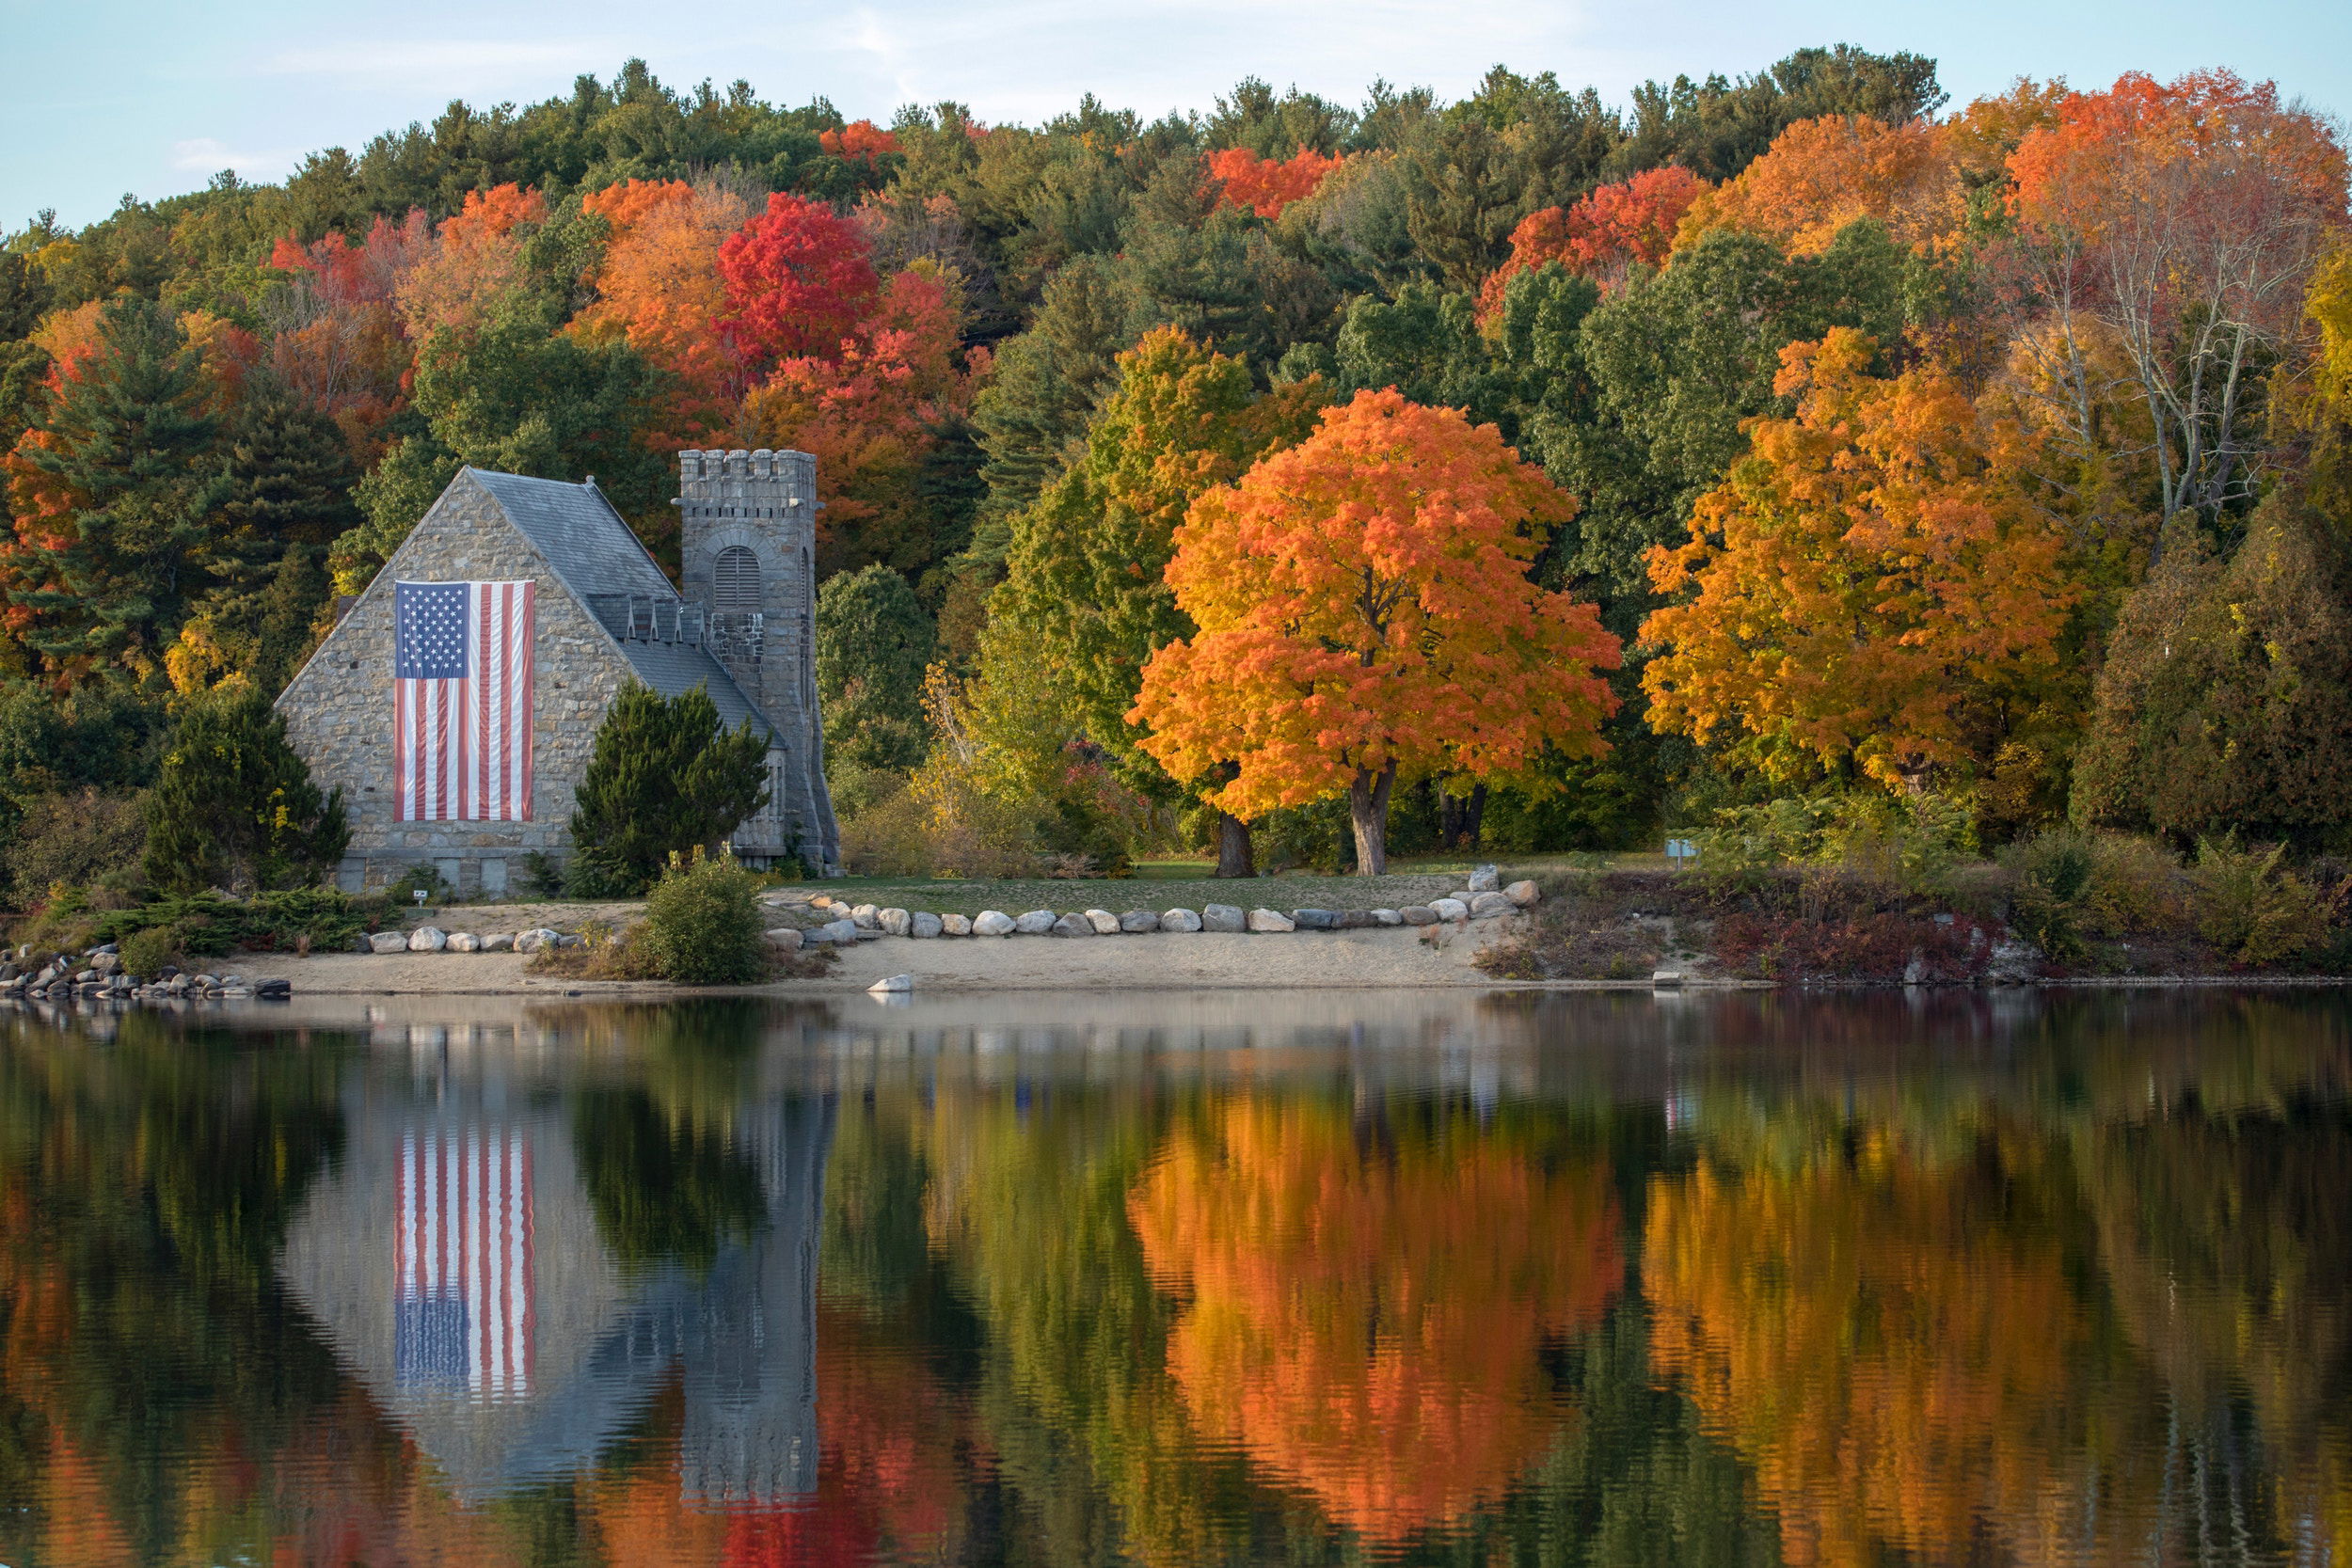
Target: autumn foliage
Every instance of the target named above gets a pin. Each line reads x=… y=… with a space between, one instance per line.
x=477 y=261
x=1866 y=589
x=658 y=286
x=1370 y=1328
x=1365 y=611
x=860 y=139
x=1266 y=185
x=1896 y=1371
x=1608 y=230
x=1822 y=174
x=796 y=280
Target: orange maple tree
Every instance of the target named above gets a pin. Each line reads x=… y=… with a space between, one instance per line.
x=1371 y=1326
x=1611 y=229
x=1364 y=609
x=477 y=258
x=1266 y=185
x=1864 y=587
x=1821 y=174
x=1905 y=1372
x=658 y=288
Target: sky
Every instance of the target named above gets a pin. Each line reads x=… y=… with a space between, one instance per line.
x=99 y=98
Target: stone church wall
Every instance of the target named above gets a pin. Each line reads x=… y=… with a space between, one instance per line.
x=338 y=708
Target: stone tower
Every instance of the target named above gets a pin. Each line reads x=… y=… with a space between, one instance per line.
x=748 y=522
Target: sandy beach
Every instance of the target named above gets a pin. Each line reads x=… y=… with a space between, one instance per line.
x=1403 y=957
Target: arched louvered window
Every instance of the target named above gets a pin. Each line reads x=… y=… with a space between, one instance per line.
x=735 y=585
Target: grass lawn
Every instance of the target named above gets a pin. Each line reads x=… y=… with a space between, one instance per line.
x=1187 y=885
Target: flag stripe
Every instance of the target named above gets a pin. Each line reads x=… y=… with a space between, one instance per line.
x=461 y=700
x=462 y=1303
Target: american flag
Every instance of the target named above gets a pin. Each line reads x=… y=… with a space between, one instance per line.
x=463 y=1314
x=461 y=700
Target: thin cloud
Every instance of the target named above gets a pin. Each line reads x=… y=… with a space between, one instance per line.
x=210 y=156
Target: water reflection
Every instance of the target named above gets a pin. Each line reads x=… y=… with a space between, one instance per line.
x=1184 y=1279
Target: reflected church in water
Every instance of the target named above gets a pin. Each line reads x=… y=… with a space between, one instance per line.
x=454 y=1261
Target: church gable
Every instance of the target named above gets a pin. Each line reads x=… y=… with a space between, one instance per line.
x=338 y=709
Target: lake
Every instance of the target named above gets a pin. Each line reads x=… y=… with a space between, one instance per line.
x=1303 y=1278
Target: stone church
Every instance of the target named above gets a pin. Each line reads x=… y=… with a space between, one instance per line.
x=605 y=613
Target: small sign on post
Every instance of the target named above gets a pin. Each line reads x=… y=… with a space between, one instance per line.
x=1680 y=852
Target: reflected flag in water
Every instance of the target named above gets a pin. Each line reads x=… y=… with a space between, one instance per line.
x=463 y=1309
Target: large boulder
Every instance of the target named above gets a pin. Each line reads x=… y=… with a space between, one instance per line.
x=1522 y=894
x=1270 y=920
x=1073 y=925
x=1315 y=920
x=842 y=932
x=895 y=923
x=924 y=923
x=1388 y=917
x=499 y=942
x=994 y=923
x=1487 y=906
x=428 y=939
x=1104 y=923
x=891 y=985
x=867 y=916
x=1137 y=921
x=1223 y=918
x=955 y=924
x=538 y=937
x=785 y=938
x=1036 y=922
x=1180 y=920
x=1418 y=915
x=464 y=942
x=1450 y=908
x=382 y=942
x=1485 y=879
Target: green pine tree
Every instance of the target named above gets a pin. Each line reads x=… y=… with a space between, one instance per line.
x=665 y=776
x=130 y=440
x=233 y=805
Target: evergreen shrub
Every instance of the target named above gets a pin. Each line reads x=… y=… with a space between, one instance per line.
x=666 y=777
x=233 y=805
x=703 y=924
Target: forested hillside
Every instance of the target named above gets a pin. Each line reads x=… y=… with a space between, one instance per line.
x=1994 y=453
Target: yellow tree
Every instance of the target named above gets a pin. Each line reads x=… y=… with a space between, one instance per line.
x=1364 y=607
x=1866 y=590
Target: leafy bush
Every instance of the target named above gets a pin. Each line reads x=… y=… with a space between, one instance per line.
x=425 y=877
x=234 y=806
x=666 y=777
x=2050 y=880
x=1912 y=842
x=75 y=839
x=2253 y=907
x=943 y=823
x=703 y=924
x=145 y=954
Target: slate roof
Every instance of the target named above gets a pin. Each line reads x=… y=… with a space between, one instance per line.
x=597 y=555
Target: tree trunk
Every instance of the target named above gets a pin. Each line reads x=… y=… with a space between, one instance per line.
x=1235 y=856
x=1474 y=815
x=1368 y=811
